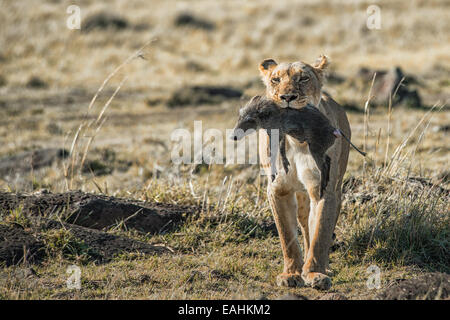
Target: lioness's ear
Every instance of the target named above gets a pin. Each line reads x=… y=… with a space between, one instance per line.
x=321 y=65
x=266 y=67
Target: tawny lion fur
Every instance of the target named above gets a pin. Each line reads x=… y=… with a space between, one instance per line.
x=295 y=196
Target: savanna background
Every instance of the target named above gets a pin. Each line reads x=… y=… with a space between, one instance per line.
x=91 y=111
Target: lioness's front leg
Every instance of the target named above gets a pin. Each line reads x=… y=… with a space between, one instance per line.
x=303 y=205
x=322 y=220
x=284 y=209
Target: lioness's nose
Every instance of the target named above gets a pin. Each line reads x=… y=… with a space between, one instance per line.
x=288 y=97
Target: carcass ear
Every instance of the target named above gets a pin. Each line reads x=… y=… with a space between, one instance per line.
x=266 y=67
x=255 y=99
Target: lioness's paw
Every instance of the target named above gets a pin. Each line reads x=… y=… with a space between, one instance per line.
x=317 y=280
x=290 y=280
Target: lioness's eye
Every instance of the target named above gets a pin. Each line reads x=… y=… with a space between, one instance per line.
x=303 y=79
x=275 y=80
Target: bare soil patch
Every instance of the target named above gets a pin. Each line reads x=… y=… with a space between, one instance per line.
x=99 y=211
x=101 y=246
x=18 y=245
x=27 y=246
x=83 y=218
x=429 y=286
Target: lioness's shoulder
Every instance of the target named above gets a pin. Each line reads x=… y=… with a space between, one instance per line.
x=335 y=112
x=328 y=101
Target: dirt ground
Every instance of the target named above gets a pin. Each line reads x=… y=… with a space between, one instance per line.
x=32 y=241
x=435 y=285
x=97 y=211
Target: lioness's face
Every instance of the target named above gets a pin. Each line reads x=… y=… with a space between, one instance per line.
x=293 y=84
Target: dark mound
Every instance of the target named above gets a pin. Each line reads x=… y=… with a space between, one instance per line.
x=391 y=83
x=36 y=83
x=30 y=160
x=198 y=95
x=429 y=286
x=101 y=246
x=189 y=20
x=3 y=81
x=104 y=21
x=99 y=211
x=19 y=246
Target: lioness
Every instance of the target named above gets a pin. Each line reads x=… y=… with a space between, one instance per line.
x=295 y=195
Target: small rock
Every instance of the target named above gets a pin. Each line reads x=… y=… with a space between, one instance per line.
x=97 y=168
x=194 y=276
x=3 y=81
x=388 y=83
x=189 y=20
x=36 y=83
x=25 y=273
x=335 y=78
x=444 y=128
x=219 y=274
x=54 y=129
x=103 y=21
x=195 y=66
x=198 y=95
